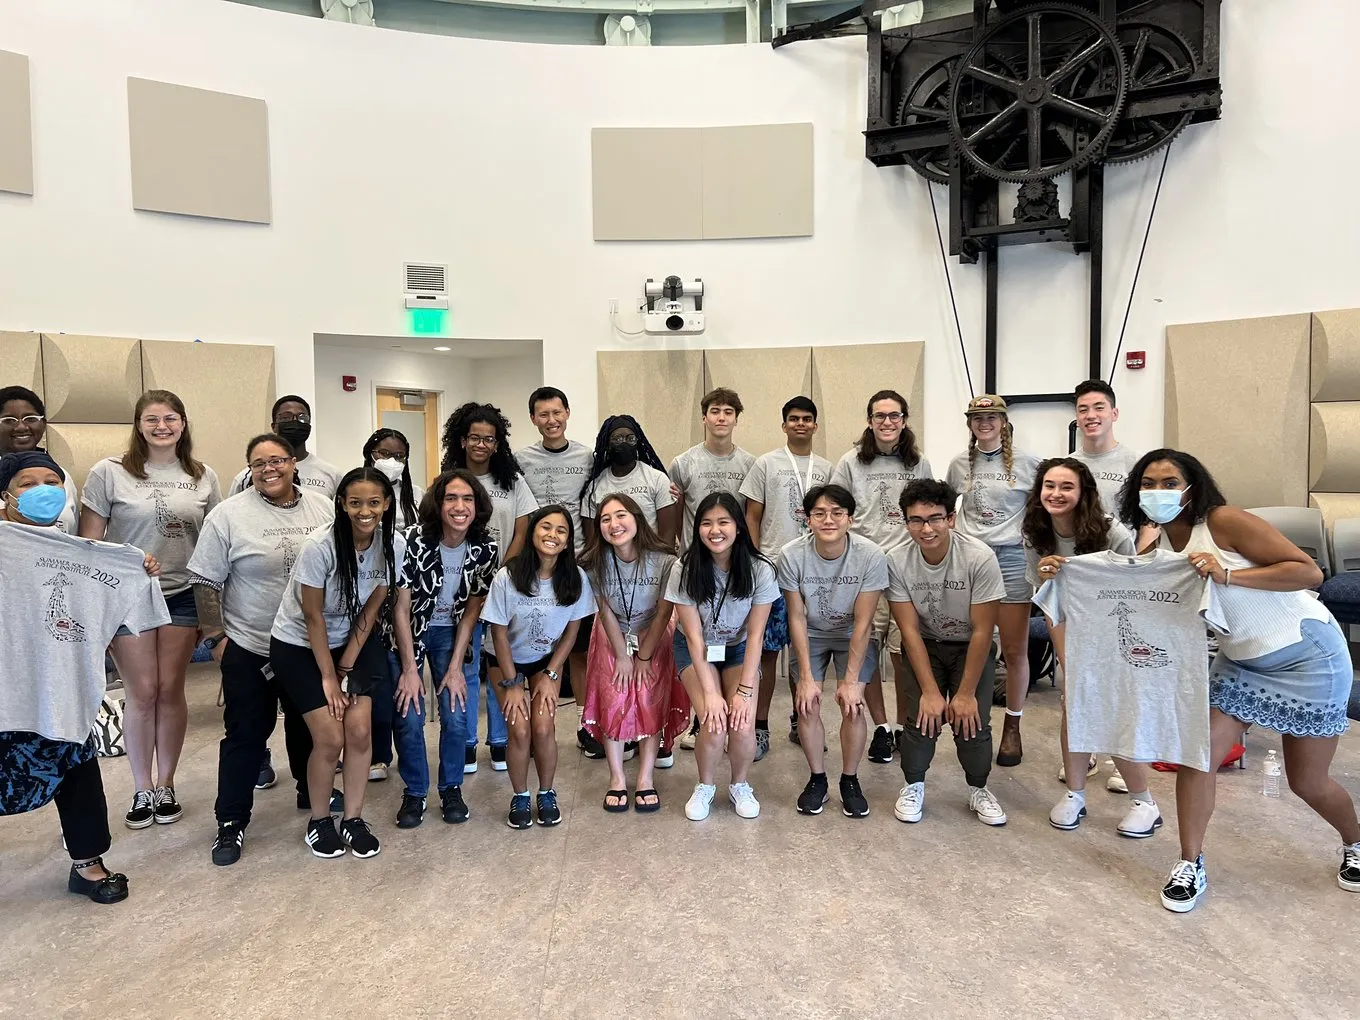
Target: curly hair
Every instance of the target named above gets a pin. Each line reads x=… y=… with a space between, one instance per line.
x=1090 y=524
x=906 y=448
x=432 y=505
x=504 y=467
x=1205 y=494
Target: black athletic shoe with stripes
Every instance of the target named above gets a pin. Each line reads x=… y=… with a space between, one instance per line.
x=323 y=839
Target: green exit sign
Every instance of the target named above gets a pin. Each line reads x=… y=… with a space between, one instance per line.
x=428 y=321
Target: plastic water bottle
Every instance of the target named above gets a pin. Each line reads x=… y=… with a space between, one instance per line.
x=1271 y=785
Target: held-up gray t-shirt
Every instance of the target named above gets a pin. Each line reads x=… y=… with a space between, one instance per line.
x=650 y=489
x=66 y=597
x=724 y=617
x=1137 y=665
x=633 y=590
x=534 y=623
x=507 y=506
x=944 y=594
x=780 y=485
x=829 y=587
x=1111 y=471
x=1119 y=540
x=452 y=561
x=556 y=476
x=313 y=475
x=249 y=547
x=316 y=568
x=992 y=503
x=161 y=514
x=698 y=473
x=877 y=486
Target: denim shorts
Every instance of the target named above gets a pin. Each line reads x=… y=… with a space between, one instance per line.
x=736 y=654
x=829 y=653
x=183 y=611
x=1011 y=560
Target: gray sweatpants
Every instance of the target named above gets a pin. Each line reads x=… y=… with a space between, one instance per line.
x=975 y=755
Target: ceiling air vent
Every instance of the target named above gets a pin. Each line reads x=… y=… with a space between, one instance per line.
x=425 y=278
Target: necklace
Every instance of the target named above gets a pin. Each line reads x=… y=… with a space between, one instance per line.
x=282 y=504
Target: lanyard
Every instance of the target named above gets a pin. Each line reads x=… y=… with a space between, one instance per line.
x=807 y=482
x=624 y=600
x=717 y=613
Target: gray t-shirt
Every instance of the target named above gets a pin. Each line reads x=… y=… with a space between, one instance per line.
x=779 y=480
x=1136 y=670
x=160 y=514
x=724 y=616
x=70 y=515
x=507 y=507
x=313 y=475
x=1111 y=470
x=829 y=587
x=992 y=501
x=876 y=487
x=534 y=622
x=632 y=590
x=452 y=561
x=698 y=473
x=556 y=476
x=316 y=568
x=248 y=547
x=67 y=598
x=1120 y=540
x=650 y=489
x=945 y=594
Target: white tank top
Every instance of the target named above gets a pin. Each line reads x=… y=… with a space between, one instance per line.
x=1259 y=622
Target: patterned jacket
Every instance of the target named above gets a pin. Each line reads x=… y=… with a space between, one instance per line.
x=423 y=574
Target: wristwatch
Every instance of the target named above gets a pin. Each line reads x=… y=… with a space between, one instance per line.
x=213 y=642
x=552 y=675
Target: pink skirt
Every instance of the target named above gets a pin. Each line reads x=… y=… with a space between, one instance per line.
x=636 y=711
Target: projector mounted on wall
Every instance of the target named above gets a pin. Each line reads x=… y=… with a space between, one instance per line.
x=674 y=306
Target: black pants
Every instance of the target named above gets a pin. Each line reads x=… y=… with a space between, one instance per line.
x=83 y=811
x=947 y=660
x=251 y=706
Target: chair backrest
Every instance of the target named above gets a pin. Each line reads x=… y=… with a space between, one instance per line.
x=1346 y=545
x=1303 y=526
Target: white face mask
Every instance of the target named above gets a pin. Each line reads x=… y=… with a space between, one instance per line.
x=391 y=467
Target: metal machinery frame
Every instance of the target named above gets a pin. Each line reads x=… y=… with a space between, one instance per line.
x=1024 y=92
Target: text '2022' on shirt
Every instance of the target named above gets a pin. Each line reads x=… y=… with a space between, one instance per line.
x=507 y=506
x=76 y=593
x=1137 y=661
x=533 y=623
x=316 y=568
x=557 y=476
x=944 y=594
x=992 y=499
x=633 y=590
x=877 y=488
x=698 y=472
x=724 y=616
x=649 y=488
x=829 y=588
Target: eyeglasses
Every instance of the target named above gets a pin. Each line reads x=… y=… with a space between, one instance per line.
x=380 y=454
x=892 y=417
x=279 y=419
x=28 y=419
x=487 y=441
x=934 y=520
x=839 y=514
x=169 y=420
x=272 y=463
x=623 y=440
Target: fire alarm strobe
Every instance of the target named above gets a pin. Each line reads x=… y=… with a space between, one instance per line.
x=1135 y=359
x=349 y=383
x=672 y=316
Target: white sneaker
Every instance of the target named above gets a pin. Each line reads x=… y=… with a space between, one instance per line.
x=1142 y=820
x=984 y=805
x=686 y=741
x=743 y=798
x=1091 y=769
x=1068 y=812
x=696 y=808
x=377 y=772
x=1116 y=784
x=666 y=759
x=911 y=803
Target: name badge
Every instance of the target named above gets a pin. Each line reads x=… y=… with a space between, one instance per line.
x=631 y=641
x=717 y=653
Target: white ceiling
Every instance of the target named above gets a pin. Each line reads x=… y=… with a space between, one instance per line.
x=458 y=347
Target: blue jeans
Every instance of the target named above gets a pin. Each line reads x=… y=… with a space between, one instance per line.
x=409 y=731
x=497 y=733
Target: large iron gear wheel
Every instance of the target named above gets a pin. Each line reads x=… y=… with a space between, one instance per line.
x=927 y=101
x=1155 y=55
x=1063 y=107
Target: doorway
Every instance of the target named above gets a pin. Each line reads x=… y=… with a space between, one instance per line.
x=415 y=414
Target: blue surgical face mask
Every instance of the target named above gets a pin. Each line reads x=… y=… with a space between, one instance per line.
x=42 y=504
x=1161 y=506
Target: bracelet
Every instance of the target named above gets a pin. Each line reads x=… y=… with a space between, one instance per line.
x=641 y=659
x=509 y=682
x=1227 y=577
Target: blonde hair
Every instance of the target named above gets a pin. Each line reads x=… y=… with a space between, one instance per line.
x=1007 y=451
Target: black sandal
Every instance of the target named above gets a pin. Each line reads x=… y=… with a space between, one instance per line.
x=646 y=809
x=111 y=889
x=621 y=796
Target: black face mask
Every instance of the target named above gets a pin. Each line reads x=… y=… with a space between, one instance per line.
x=621 y=454
x=296 y=432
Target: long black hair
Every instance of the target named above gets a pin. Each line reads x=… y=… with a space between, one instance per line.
x=346 y=559
x=566 y=578
x=1091 y=527
x=645 y=453
x=432 y=505
x=503 y=465
x=1204 y=491
x=867 y=446
x=408 y=492
x=698 y=581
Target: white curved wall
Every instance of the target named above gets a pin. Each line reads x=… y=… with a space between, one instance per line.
x=391 y=146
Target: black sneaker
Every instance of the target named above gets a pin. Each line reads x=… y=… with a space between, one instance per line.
x=814 y=797
x=589 y=746
x=304 y=802
x=470 y=761
x=520 y=816
x=881 y=747
x=665 y=757
x=323 y=839
x=143 y=810
x=498 y=757
x=226 y=848
x=362 y=842
x=1348 y=877
x=267 y=777
x=548 y=811
x=451 y=805
x=853 y=802
x=793 y=728
x=1185 y=885
x=168 y=810
x=412 y=811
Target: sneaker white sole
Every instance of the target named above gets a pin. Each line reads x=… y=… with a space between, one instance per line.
x=909 y=818
x=1140 y=834
x=170 y=819
x=1348 y=886
x=140 y=825
x=697 y=816
x=818 y=809
x=1070 y=826
x=992 y=821
x=1183 y=906
x=851 y=814
x=667 y=762
x=364 y=857
x=322 y=853
x=269 y=785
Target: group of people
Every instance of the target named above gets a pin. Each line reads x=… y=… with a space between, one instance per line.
x=663 y=596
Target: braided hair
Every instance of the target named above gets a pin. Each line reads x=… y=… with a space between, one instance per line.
x=1007 y=449
x=504 y=467
x=645 y=453
x=346 y=558
x=407 y=495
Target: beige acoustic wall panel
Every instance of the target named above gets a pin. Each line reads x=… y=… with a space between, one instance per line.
x=1336 y=355
x=646 y=184
x=661 y=389
x=845 y=377
x=757 y=181
x=227 y=389
x=1237 y=398
x=1334 y=447
x=21 y=361
x=77 y=448
x=16 y=125
x=91 y=379
x=764 y=378
x=1335 y=506
x=197 y=152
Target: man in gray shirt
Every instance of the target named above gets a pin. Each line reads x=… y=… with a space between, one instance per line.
x=716 y=464
x=1110 y=461
x=945 y=589
x=291 y=418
